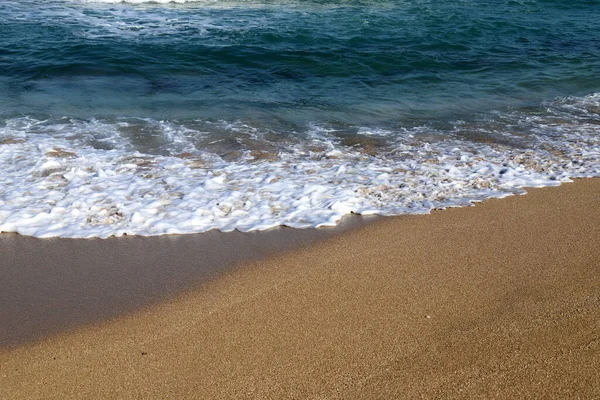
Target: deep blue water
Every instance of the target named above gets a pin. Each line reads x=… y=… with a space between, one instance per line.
x=352 y=62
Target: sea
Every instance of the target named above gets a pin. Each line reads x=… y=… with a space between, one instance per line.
x=168 y=117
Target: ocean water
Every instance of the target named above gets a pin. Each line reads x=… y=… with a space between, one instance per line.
x=149 y=118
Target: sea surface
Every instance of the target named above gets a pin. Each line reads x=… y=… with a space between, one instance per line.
x=149 y=118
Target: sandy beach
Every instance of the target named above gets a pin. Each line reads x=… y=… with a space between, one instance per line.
x=500 y=300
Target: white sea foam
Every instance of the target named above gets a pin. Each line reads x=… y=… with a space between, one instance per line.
x=72 y=178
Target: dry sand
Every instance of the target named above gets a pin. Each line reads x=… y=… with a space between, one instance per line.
x=501 y=300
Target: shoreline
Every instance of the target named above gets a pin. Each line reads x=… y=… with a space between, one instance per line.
x=499 y=299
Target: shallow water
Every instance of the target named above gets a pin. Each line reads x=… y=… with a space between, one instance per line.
x=161 y=117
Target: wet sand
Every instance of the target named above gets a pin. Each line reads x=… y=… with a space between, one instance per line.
x=497 y=300
x=52 y=285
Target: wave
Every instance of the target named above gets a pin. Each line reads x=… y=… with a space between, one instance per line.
x=93 y=178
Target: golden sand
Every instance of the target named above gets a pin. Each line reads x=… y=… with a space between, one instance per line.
x=500 y=300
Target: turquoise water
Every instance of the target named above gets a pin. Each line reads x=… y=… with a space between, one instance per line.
x=352 y=62
x=235 y=84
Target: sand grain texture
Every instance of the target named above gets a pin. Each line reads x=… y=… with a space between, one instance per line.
x=500 y=300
